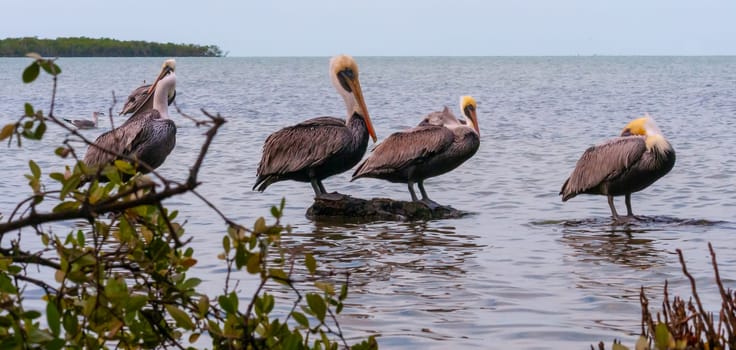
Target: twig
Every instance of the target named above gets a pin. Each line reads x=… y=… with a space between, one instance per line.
x=711 y=334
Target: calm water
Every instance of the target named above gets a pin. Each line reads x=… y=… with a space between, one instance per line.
x=523 y=272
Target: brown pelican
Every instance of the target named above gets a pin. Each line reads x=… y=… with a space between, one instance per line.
x=85 y=123
x=622 y=165
x=320 y=147
x=139 y=100
x=438 y=145
x=147 y=136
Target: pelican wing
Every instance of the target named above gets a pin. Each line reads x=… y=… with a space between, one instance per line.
x=118 y=141
x=403 y=149
x=603 y=162
x=307 y=144
x=136 y=99
x=139 y=100
x=444 y=117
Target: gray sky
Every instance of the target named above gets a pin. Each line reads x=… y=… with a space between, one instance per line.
x=393 y=27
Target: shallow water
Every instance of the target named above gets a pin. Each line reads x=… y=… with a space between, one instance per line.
x=525 y=270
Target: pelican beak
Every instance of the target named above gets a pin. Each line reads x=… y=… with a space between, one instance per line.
x=358 y=94
x=474 y=118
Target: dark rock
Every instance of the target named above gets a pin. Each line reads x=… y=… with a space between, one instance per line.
x=340 y=207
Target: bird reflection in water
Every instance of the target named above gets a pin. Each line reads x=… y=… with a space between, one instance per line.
x=618 y=245
x=379 y=251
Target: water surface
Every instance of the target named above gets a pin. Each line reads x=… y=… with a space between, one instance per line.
x=525 y=271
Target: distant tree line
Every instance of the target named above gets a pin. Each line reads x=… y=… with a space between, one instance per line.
x=103 y=47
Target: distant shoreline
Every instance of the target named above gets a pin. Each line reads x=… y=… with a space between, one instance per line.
x=103 y=47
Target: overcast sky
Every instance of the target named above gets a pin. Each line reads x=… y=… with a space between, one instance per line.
x=393 y=27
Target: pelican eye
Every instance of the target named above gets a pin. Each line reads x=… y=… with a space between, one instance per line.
x=468 y=109
x=343 y=76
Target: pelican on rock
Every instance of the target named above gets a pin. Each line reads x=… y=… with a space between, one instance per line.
x=622 y=165
x=146 y=137
x=320 y=147
x=438 y=145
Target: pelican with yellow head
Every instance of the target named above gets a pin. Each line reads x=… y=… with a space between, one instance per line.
x=438 y=145
x=622 y=165
x=320 y=147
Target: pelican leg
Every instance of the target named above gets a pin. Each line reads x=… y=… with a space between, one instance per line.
x=317 y=187
x=319 y=191
x=425 y=199
x=629 y=212
x=411 y=191
x=613 y=208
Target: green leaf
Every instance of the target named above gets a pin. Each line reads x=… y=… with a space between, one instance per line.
x=254 y=263
x=65 y=206
x=54 y=318
x=191 y=283
x=181 y=317
x=6 y=284
x=55 y=344
x=124 y=166
x=71 y=323
x=260 y=225
x=343 y=292
x=300 y=318
x=203 y=305
x=310 y=263
x=226 y=243
x=279 y=275
x=317 y=305
x=135 y=303
x=662 y=337
x=28 y=109
x=33 y=314
x=40 y=130
x=35 y=170
x=226 y=304
x=50 y=67
x=31 y=73
x=70 y=185
x=8 y=130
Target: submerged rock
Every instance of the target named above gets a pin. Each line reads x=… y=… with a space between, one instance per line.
x=335 y=206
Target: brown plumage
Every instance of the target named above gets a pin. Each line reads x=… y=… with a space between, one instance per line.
x=320 y=147
x=438 y=145
x=147 y=136
x=623 y=165
x=140 y=100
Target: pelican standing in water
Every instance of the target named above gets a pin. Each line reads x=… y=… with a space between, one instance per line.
x=140 y=100
x=438 y=145
x=85 y=123
x=148 y=137
x=623 y=165
x=320 y=147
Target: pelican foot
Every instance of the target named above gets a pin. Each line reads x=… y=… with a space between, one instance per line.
x=432 y=205
x=624 y=220
x=334 y=196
